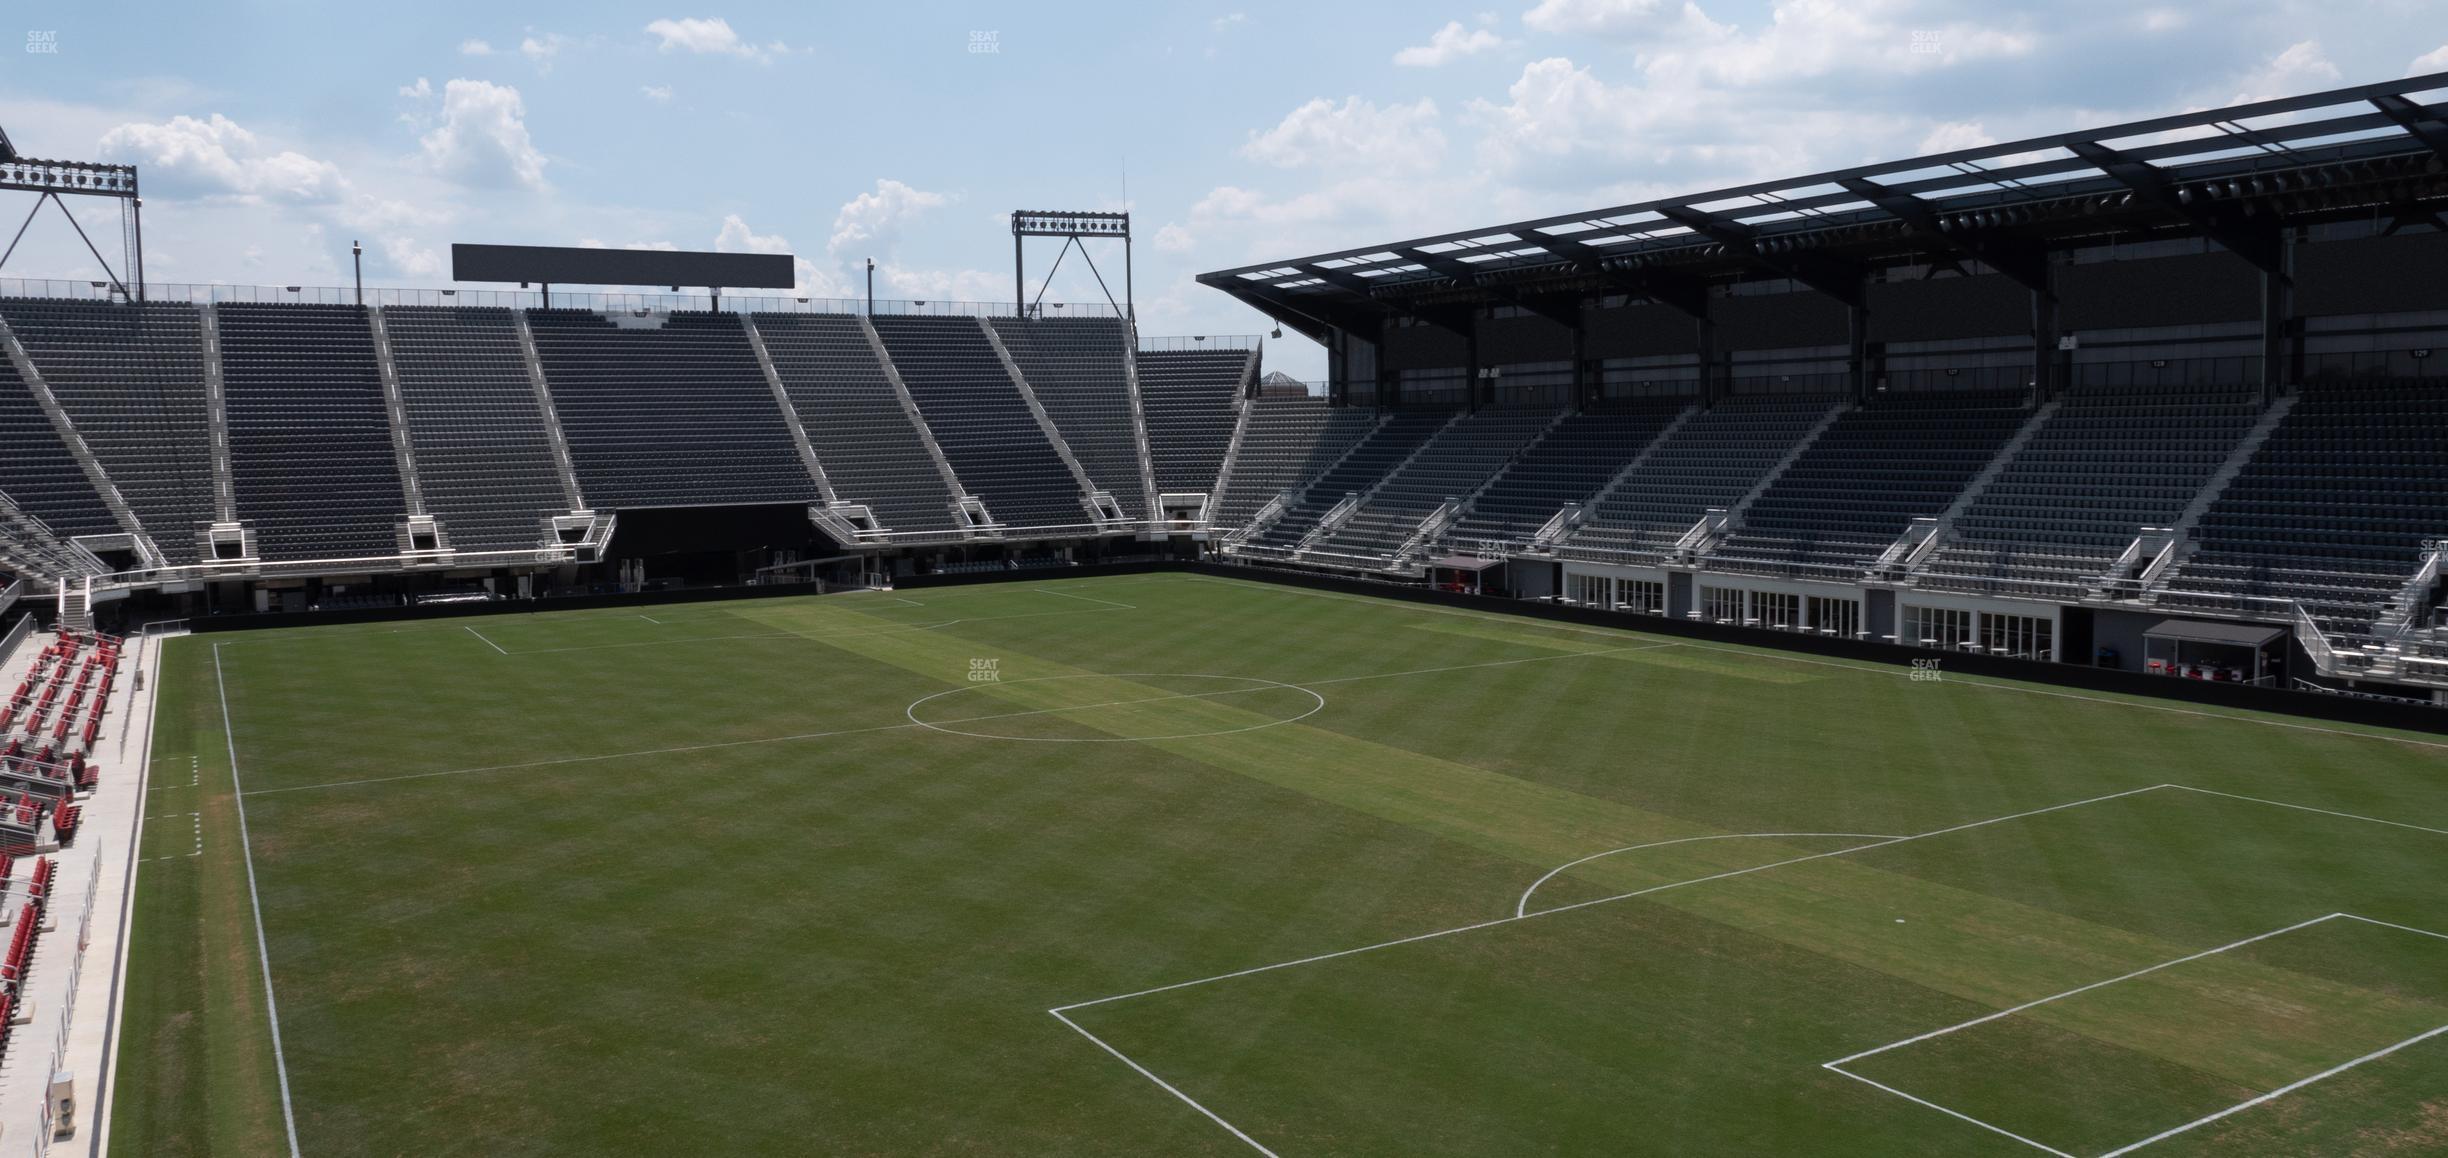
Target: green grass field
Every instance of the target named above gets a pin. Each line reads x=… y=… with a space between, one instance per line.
x=792 y=877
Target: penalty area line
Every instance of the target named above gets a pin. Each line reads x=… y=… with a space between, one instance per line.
x=1166 y=1086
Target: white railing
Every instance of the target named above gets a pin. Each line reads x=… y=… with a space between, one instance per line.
x=2315 y=641
x=1557 y=526
x=67 y=1008
x=16 y=635
x=2412 y=604
x=1265 y=515
x=1701 y=532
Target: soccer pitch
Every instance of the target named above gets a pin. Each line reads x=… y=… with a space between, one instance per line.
x=1173 y=864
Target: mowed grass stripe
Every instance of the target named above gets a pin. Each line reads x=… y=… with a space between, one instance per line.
x=845 y=943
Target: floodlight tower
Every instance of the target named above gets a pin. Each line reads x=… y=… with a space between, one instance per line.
x=48 y=180
x=1074 y=228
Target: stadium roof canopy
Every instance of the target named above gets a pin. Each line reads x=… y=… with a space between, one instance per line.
x=2232 y=174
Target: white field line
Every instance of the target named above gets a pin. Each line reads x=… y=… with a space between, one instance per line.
x=2079 y=989
x=2394 y=925
x=263 y=949
x=1764 y=652
x=488 y=643
x=1600 y=901
x=1168 y=1087
x=1837 y=1065
x=1060 y=1012
x=1523 y=909
x=2281 y=1091
x=2309 y=808
x=650 y=619
x=1950 y=1113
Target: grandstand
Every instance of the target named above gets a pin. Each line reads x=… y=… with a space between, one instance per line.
x=2100 y=388
x=2103 y=387
x=1721 y=480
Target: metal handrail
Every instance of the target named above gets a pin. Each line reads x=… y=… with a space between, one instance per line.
x=1238 y=343
x=198 y=293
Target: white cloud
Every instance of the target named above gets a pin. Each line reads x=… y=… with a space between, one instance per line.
x=2301 y=68
x=1450 y=43
x=598 y=243
x=1228 y=20
x=2435 y=60
x=1563 y=127
x=474 y=47
x=409 y=259
x=1952 y=135
x=703 y=35
x=421 y=90
x=1175 y=239
x=482 y=138
x=870 y=223
x=541 y=52
x=736 y=237
x=217 y=157
x=1358 y=133
x=658 y=93
x=1593 y=17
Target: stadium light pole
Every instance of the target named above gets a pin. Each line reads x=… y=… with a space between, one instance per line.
x=871 y=287
x=357 y=259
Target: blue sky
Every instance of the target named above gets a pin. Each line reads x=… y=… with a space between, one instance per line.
x=271 y=135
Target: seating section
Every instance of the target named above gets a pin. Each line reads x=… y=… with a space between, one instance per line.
x=1074 y=366
x=484 y=462
x=980 y=421
x=132 y=379
x=1869 y=474
x=1289 y=440
x=1712 y=460
x=670 y=415
x=309 y=434
x=2109 y=462
x=2331 y=512
x=1188 y=396
x=855 y=421
x=1568 y=465
x=1452 y=465
x=1376 y=455
x=37 y=470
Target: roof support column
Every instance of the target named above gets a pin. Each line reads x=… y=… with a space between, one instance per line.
x=1705 y=330
x=1584 y=383
x=2278 y=352
x=1857 y=350
x=2045 y=383
x=1482 y=388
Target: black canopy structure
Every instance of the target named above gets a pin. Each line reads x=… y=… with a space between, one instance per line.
x=587 y=265
x=2205 y=631
x=2239 y=176
x=2204 y=649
